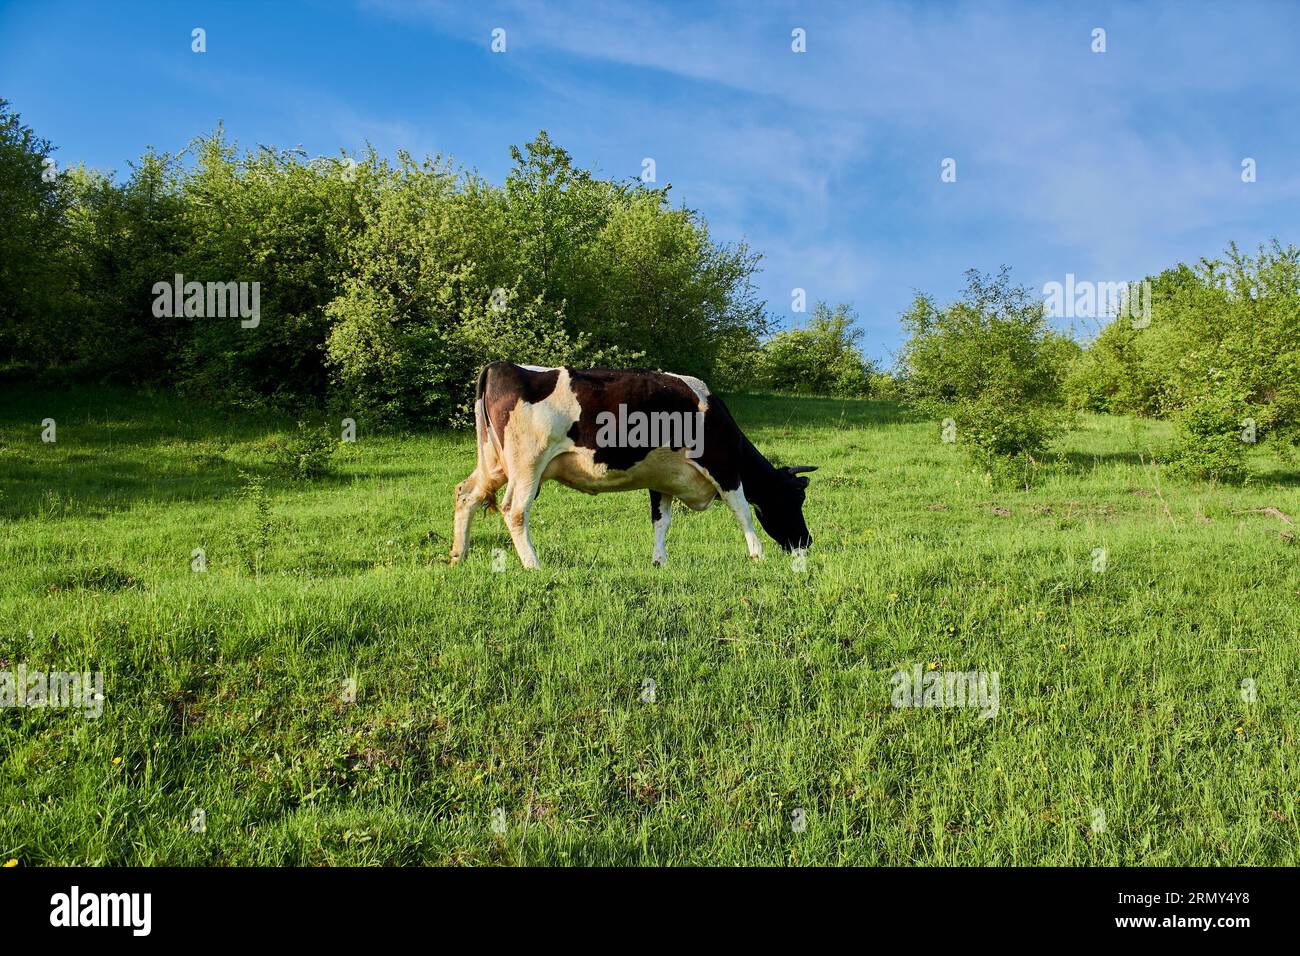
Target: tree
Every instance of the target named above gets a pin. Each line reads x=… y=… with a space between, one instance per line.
x=32 y=243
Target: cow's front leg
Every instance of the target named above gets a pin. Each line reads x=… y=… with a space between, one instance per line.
x=740 y=508
x=661 y=514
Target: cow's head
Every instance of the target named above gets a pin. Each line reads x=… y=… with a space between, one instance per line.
x=780 y=507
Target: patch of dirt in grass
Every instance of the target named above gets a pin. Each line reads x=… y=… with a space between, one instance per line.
x=97 y=578
x=1271 y=512
x=183 y=711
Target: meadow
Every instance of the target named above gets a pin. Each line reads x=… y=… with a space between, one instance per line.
x=329 y=691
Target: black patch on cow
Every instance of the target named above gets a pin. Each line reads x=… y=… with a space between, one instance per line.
x=506 y=385
x=600 y=390
x=655 y=511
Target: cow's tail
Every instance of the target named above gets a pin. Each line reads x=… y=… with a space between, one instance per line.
x=486 y=441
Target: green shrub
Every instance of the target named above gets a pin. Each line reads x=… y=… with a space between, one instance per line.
x=306 y=455
x=886 y=386
x=256 y=525
x=1208 y=441
x=557 y=267
x=997 y=434
x=383 y=286
x=822 y=358
x=33 y=279
x=992 y=364
x=1222 y=344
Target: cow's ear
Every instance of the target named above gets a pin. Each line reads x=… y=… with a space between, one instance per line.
x=801 y=481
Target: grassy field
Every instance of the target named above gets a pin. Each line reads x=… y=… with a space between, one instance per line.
x=1123 y=734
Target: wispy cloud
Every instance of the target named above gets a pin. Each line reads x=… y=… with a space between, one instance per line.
x=1068 y=160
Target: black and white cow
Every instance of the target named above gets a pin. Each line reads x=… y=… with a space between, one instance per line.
x=602 y=430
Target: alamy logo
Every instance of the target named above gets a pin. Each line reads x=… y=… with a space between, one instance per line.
x=74 y=908
x=651 y=430
x=209 y=300
x=918 y=688
x=1083 y=299
x=40 y=689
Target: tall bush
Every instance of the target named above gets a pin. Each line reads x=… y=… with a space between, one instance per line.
x=823 y=357
x=383 y=286
x=992 y=364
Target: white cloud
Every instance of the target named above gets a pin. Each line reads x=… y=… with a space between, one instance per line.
x=1114 y=164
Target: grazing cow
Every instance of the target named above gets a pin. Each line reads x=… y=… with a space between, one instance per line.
x=613 y=430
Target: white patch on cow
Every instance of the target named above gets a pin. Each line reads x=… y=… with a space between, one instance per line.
x=664 y=470
x=701 y=390
x=534 y=435
x=536 y=368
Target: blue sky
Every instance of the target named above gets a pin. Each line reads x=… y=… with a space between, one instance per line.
x=1106 y=165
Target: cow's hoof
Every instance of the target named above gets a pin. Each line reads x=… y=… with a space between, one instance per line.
x=660 y=562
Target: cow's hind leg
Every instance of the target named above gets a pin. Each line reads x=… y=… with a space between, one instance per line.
x=740 y=508
x=661 y=514
x=479 y=490
x=524 y=482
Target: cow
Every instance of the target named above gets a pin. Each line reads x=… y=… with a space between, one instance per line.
x=598 y=430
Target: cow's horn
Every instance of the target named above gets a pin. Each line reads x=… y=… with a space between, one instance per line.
x=799 y=469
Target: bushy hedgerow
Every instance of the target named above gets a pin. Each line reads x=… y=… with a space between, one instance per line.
x=1220 y=347
x=383 y=286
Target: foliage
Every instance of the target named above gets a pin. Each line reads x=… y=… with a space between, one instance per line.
x=1006 y=440
x=255 y=527
x=306 y=455
x=383 y=286
x=121 y=239
x=286 y=224
x=32 y=240
x=991 y=362
x=1209 y=442
x=822 y=358
x=1222 y=346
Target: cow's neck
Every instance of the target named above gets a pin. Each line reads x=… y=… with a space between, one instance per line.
x=758 y=476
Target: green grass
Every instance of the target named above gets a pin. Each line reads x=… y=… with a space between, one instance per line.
x=1120 y=691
